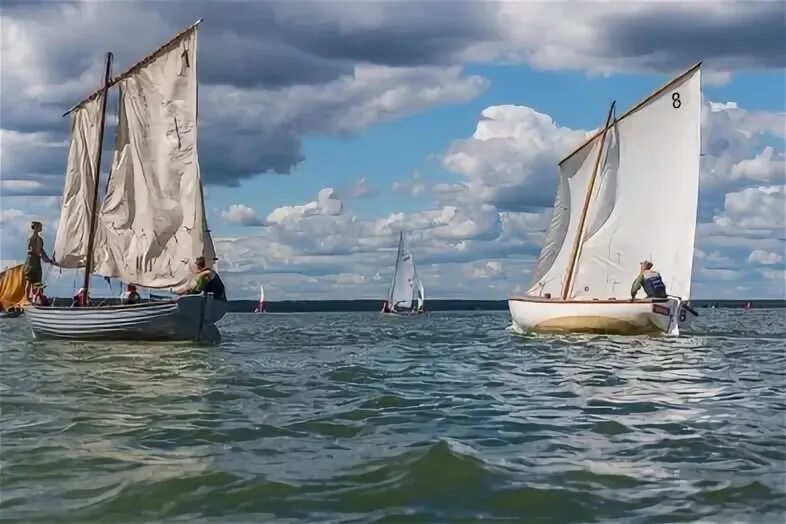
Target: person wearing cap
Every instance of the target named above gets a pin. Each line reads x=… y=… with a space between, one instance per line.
x=130 y=295
x=650 y=280
x=207 y=281
x=35 y=253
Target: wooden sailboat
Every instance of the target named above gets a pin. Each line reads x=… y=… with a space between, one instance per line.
x=406 y=294
x=630 y=193
x=151 y=224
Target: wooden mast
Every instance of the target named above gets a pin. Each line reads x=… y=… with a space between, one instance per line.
x=97 y=171
x=568 y=284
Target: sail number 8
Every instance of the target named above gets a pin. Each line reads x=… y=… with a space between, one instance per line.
x=675 y=100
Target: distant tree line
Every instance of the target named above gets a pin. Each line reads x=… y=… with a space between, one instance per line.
x=309 y=306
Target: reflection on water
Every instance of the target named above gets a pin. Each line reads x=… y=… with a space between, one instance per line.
x=353 y=418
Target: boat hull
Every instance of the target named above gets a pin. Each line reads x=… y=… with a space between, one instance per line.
x=186 y=318
x=531 y=314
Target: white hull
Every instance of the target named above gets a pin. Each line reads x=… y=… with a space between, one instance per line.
x=621 y=317
x=186 y=318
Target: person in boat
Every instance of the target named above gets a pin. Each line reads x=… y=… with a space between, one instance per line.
x=385 y=307
x=130 y=295
x=35 y=254
x=650 y=280
x=207 y=281
x=39 y=299
x=80 y=299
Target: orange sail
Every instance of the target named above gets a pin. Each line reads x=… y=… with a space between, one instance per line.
x=12 y=287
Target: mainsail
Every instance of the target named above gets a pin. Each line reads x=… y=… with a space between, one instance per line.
x=643 y=205
x=152 y=222
x=404 y=288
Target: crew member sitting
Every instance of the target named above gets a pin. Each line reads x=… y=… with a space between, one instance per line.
x=130 y=295
x=649 y=280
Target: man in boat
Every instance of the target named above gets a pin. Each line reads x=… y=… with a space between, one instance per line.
x=130 y=295
x=207 y=281
x=650 y=280
x=35 y=253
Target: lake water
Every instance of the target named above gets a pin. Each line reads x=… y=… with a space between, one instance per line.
x=354 y=418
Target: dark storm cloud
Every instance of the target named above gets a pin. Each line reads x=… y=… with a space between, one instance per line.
x=664 y=36
x=295 y=62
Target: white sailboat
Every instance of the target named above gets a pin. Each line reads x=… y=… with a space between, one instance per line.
x=406 y=294
x=630 y=193
x=151 y=223
x=261 y=304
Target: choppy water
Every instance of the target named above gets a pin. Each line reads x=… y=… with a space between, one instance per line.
x=353 y=418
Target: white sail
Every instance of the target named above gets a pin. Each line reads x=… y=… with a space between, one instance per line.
x=575 y=174
x=656 y=196
x=403 y=289
x=421 y=294
x=73 y=229
x=261 y=303
x=153 y=219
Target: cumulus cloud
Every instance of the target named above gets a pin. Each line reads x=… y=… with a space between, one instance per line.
x=242 y=215
x=764 y=258
x=327 y=203
x=274 y=72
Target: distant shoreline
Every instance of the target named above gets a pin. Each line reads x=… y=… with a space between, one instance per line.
x=327 y=306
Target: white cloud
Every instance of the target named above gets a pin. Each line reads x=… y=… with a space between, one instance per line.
x=242 y=215
x=765 y=258
x=327 y=203
x=755 y=208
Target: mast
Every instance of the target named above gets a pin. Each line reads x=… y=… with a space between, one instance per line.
x=568 y=284
x=97 y=170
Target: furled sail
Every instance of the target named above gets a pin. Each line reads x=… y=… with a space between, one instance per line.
x=405 y=285
x=654 y=211
x=73 y=229
x=153 y=220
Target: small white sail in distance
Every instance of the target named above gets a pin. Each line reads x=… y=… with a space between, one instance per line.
x=261 y=304
x=406 y=289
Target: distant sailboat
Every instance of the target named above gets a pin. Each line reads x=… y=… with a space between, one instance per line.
x=630 y=193
x=406 y=294
x=261 y=304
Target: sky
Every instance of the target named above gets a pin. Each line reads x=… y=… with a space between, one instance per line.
x=326 y=127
